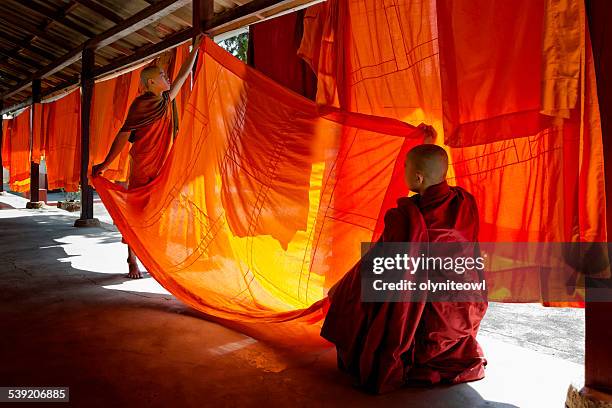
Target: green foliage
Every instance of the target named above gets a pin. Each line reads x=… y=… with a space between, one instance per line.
x=237 y=46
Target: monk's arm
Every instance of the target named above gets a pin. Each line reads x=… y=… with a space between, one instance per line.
x=177 y=84
x=118 y=144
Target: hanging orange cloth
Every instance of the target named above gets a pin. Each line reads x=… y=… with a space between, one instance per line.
x=19 y=156
x=508 y=71
x=545 y=181
x=7 y=125
x=273 y=50
x=38 y=133
x=377 y=59
x=229 y=226
x=180 y=54
x=63 y=142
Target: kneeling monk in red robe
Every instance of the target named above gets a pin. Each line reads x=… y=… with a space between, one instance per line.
x=150 y=127
x=386 y=345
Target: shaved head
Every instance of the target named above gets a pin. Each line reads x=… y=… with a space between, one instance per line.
x=154 y=77
x=426 y=165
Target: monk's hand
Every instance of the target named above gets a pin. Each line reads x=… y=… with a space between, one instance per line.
x=197 y=41
x=98 y=169
x=429 y=132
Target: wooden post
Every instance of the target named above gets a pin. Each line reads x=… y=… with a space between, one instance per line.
x=203 y=11
x=87 y=83
x=34 y=167
x=598 y=333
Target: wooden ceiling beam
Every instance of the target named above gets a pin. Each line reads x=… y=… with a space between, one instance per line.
x=5 y=75
x=56 y=17
x=128 y=26
x=230 y=19
x=27 y=45
x=14 y=54
x=241 y=14
x=114 y=17
x=101 y=10
x=20 y=25
x=139 y=20
x=144 y=53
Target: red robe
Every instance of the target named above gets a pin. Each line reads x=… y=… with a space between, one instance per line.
x=151 y=123
x=387 y=345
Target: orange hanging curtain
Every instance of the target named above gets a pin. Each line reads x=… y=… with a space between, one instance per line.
x=63 y=142
x=273 y=50
x=257 y=211
x=522 y=117
x=39 y=124
x=19 y=156
x=7 y=125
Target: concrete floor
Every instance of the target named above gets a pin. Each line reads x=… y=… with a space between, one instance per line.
x=70 y=318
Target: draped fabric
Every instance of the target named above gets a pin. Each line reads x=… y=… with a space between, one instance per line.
x=376 y=58
x=179 y=56
x=7 y=125
x=273 y=50
x=547 y=34
x=39 y=124
x=63 y=142
x=19 y=154
x=520 y=104
x=547 y=186
x=257 y=210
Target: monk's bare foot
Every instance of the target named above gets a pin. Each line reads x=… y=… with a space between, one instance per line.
x=134 y=270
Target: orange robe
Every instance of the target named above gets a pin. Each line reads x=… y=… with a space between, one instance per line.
x=150 y=121
x=390 y=344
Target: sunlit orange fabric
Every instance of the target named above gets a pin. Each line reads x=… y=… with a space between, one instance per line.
x=110 y=102
x=549 y=185
x=257 y=209
x=63 y=142
x=521 y=72
x=7 y=125
x=376 y=59
x=180 y=54
x=19 y=156
x=38 y=133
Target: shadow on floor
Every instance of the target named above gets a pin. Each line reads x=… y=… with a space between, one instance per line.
x=62 y=325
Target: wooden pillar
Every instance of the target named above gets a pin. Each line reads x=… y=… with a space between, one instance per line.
x=87 y=83
x=203 y=10
x=1 y=143
x=34 y=167
x=598 y=315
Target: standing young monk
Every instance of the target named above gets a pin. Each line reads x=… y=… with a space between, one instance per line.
x=150 y=128
x=386 y=345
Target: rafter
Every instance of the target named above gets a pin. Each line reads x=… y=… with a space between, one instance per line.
x=114 y=17
x=27 y=45
x=14 y=54
x=139 y=20
x=35 y=30
x=56 y=17
x=128 y=26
